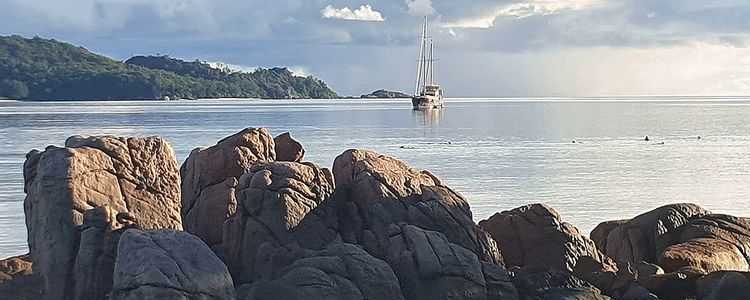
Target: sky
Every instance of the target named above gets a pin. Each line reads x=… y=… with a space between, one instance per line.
x=485 y=48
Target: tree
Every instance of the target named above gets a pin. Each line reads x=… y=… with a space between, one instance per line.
x=14 y=89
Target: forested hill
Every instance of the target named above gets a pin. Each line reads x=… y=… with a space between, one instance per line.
x=44 y=69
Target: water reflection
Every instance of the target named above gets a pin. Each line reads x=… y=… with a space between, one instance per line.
x=427 y=117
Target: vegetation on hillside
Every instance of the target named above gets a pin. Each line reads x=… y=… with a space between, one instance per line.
x=45 y=69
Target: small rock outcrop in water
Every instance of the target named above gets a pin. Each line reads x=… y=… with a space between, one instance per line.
x=104 y=216
x=384 y=94
x=134 y=175
x=168 y=264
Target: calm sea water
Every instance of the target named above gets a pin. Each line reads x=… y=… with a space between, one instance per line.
x=500 y=153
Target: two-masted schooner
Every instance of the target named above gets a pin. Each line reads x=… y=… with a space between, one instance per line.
x=427 y=94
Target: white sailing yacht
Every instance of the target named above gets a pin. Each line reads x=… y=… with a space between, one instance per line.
x=427 y=94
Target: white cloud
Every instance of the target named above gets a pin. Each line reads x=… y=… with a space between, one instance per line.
x=522 y=10
x=420 y=7
x=364 y=13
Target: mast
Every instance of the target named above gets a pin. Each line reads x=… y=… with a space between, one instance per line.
x=432 y=60
x=421 y=68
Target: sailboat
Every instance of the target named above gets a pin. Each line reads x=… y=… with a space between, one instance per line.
x=427 y=94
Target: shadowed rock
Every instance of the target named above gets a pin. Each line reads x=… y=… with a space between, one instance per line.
x=17 y=279
x=273 y=198
x=534 y=237
x=288 y=149
x=557 y=285
x=134 y=175
x=97 y=250
x=724 y=286
x=646 y=236
x=209 y=177
x=340 y=271
x=168 y=264
x=375 y=191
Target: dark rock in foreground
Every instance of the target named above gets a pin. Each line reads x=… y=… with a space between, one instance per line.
x=168 y=264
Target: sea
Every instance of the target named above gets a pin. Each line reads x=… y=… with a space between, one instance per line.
x=585 y=157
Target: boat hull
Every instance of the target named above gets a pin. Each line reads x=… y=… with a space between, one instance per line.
x=426 y=102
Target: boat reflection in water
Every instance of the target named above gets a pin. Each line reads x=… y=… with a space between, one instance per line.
x=429 y=117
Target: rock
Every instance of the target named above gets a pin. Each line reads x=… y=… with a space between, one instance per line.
x=95 y=261
x=675 y=285
x=134 y=175
x=168 y=264
x=383 y=94
x=273 y=199
x=376 y=191
x=711 y=243
x=724 y=286
x=708 y=255
x=554 y=285
x=646 y=236
x=601 y=232
x=429 y=266
x=148 y=177
x=340 y=271
x=288 y=149
x=215 y=204
x=12 y=266
x=209 y=177
x=17 y=279
x=534 y=237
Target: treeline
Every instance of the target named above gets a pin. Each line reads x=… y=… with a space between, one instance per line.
x=45 y=69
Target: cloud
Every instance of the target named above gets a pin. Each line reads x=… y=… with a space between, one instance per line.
x=420 y=7
x=522 y=10
x=364 y=13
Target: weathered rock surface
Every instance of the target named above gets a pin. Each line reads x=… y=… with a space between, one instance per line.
x=646 y=236
x=724 y=286
x=429 y=266
x=168 y=264
x=17 y=279
x=134 y=175
x=557 y=285
x=601 y=231
x=288 y=149
x=340 y=271
x=95 y=261
x=209 y=178
x=684 y=240
x=534 y=237
x=273 y=198
x=375 y=191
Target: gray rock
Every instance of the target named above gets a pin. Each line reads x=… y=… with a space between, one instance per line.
x=724 y=286
x=134 y=175
x=375 y=191
x=558 y=285
x=273 y=199
x=535 y=237
x=168 y=264
x=340 y=271
x=209 y=176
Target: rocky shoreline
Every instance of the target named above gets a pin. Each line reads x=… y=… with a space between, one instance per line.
x=113 y=217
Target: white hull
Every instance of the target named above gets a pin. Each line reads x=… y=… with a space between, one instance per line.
x=426 y=102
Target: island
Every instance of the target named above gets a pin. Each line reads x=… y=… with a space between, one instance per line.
x=47 y=69
x=385 y=94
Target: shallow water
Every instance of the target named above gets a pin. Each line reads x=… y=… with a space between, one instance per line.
x=499 y=153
